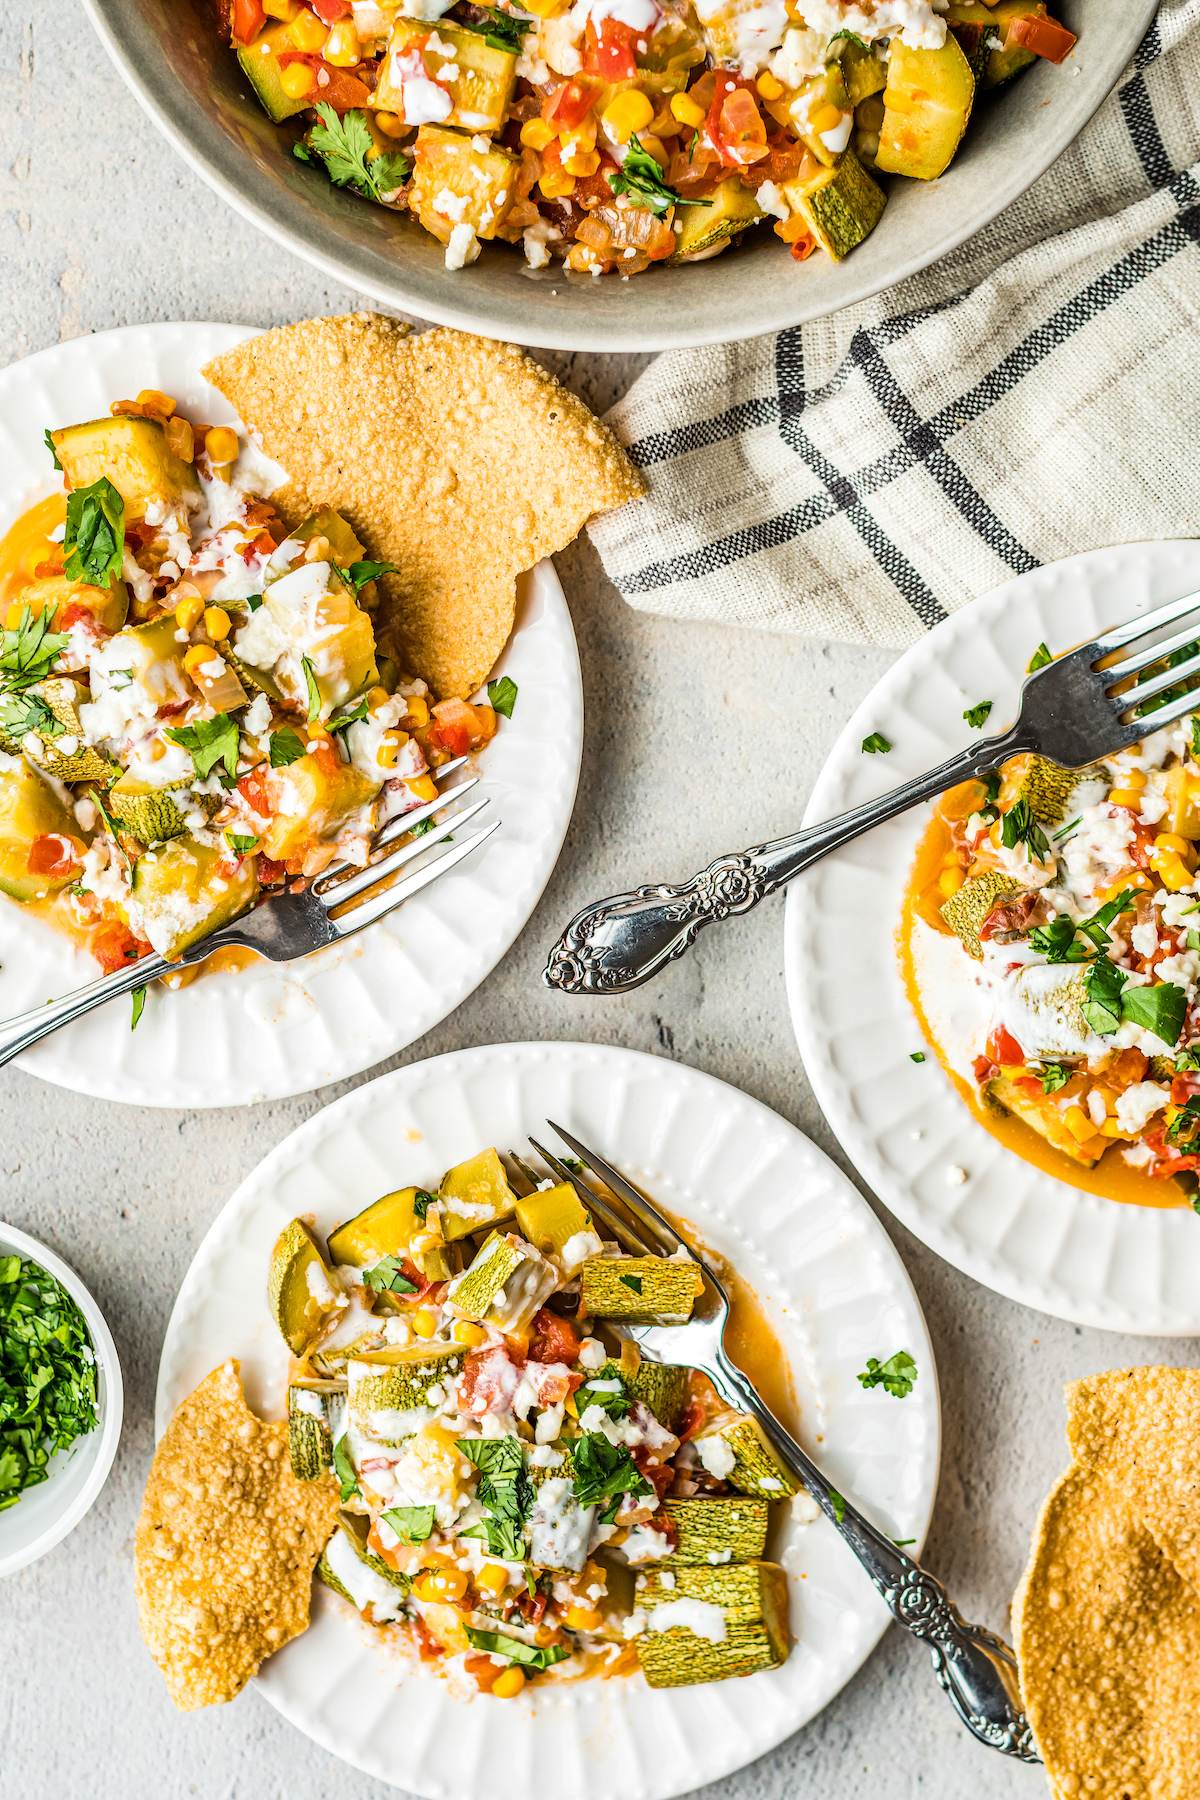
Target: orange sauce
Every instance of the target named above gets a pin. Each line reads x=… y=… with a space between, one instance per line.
x=1112 y=1178
x=29 y=543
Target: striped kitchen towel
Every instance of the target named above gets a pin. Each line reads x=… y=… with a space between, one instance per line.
x=1033 y=395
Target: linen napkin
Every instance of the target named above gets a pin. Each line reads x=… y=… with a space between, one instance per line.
x=1034 y=394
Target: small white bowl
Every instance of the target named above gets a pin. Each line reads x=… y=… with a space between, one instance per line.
x=44 y=1514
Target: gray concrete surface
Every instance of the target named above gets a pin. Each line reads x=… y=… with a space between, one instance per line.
x=697 y=741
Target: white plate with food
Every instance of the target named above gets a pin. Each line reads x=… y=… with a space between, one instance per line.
x=1034 y=1133
x=819 y=1292
x=198 y=536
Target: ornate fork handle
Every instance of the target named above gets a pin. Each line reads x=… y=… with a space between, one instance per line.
x=976 y=1668
x=616 y=944
x=25 y=1029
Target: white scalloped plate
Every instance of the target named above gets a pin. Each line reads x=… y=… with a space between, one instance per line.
x=903 y=1125
x=835 y=1290
x=273 y=1030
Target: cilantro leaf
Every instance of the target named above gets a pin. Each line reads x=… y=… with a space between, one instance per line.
x=500 y=30
x=1055 y=1076
x=359 y=573
x=411 y=1524
x=314 y=693
x=976 y=716
x=422 y=1202
x=1066 y=828
x=502 y=695
x=610 y=1395
x=243 y=845
x=602 y=1470
x=420 y=828
x=838 y=1504
x=210 y=741
x=917 y=1056
x=1018 y=826
x=48 y=1395
x=1038 y=660
x=1096 y=928
x=498 y=1643
x=53 y=452
x=875 y=745
x=110 y=825
x=357 y=717
x=1187 y=1059
x=139 y=1001
x=344 y=1469
x=344 y=146
x=1159 y=1009
x=1103 y=982
x=94 y=543
x=631 y=1281
x=896 y=1375
x=1056 y=941
x=1195 y=736
x=285 y=747
x=27 y=712
x=641 y=178
x=504 y=1489
x=388 y=1277
x=28 y=653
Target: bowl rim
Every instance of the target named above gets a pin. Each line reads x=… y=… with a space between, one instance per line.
x=529 y=326
x=112 y=1409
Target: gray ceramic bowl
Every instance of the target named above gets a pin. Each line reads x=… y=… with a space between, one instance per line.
x=193 y=90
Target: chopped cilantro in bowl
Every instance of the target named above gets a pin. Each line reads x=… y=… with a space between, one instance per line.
x=48 y=1388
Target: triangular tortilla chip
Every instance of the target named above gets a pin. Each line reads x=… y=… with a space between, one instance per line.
x=226 y=1544
x=454 y=457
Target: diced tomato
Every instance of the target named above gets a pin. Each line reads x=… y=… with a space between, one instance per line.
x=52 y=566
x=532 y=1606
x=659 y=1475
x=55 y=856
x=1045 y=37
x=1003 y=1048
x=692 y=1419
x=483 y=1671
x=344 y=91
x=330 y=11
x=984 y=1070
x=594 y=190
x=1183 y=1087
x=247 y=20
x=555 y=1339
x=270 y=872
x=795 y=232
x=115 y=947
x=262 y=545
x=735 y=124
x=570 y=105
x=1167 y=1160
x=610 y=55
x=457 y=726
x=256 y=793
x=1126 y=1069
x=488 y=1381
x=427 y=1645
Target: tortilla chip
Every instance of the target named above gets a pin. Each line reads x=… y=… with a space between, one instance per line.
x=1142 y=1426
x=226 y=1544
x=1107 y=1636
x=454 y=457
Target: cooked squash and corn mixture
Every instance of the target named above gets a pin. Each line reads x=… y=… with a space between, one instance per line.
x=614 y=134
x=1054 y=946
x=520 y=1494
x=194 y=702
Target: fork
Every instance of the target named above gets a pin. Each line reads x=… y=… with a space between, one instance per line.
x=976 y=1668
x=288 y=925
x=1072 y=712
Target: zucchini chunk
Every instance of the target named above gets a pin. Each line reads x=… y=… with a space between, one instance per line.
x=740 y=1611
x=555 y=1223
x=481 y=185
x=154 y=815
x=740 y=1454
x=395 y=1392
x=313 y=1407
x=661 y=1388
x=1045 y=786
x=965 y=911
x=1036 y=1111
x=481 y=81
x=863 y=73
x=1053 y=996
x=151 y=655
x=301 y=1291
x=1004 y=63
x=263 y=70
x=358 y=1575
x=718 y=1529
x=387 y=1228
x=327 y=523
x=30 y=809
x=1183 y=803
x=928 y=102
x=473 y=1194
x=642 y=1288
x=505 y=1285
x=133 y=454
x=62 y=753
x=186 y=891
x=841 y=206
x=708 y=228
x=973 y=25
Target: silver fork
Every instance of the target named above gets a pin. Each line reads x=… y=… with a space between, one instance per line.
x=288 y=925
x=975 y=1667
x=1072 y=711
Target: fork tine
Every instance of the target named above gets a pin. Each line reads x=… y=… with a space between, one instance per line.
x=523 y=1168
x=1138 y=729
x=361 y=916
x=406 y=821
x=1130 y=665
x=620 y=1228
x=647 y=1215
x=1146 y=690
x=387 y=865
x=1151 y=621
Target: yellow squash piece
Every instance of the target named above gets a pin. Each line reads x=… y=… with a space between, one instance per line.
x=505 y=1285
x=733 y=209
x=1045 y=786
x=396 y=1391
x=322 y=797
x=480 y=81
x=327 y=523
x=154 y=815
x=30 y=809
x=484 y=181
x=555 y=1219
x=386 y=1228
x=841 y=205
x=108 y=606
x=1041 y=1115
x=187 y=890
x=928 y=102
x=474 y=1194
x=132 y=453
x=301 y=1292
x=718 y=1527
x=62 y=753
x=755 y=1469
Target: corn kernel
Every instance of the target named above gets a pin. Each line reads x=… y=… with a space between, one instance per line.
x=628 y=112
x=1167 y=840
x=1132 y=778
x=1111 y=1129
x=12 y=617
x=222 y=446
x=508 y=1684
x=281 y=9
x=466 y=1331
x=688 y=111
x=1130 y=797
x=425 y=1323
x=217 y=623
x=547 y=9
x=390 y=123
x=390 y=745
x=556 y=184
x=195 y=658
x=1079 y=1124
x=584 y=1618
x=157 y=401
x=537 y=133
x=582 y=163
x=188 y=611
x=492 y=1578
x=1171 y=870
x=768 y=86
x=342 y=47
x=418 y=712
x=297 y=80
x=950 y=880
x=307 y=32
x=443 y=1584
x=825 y=118
x=424 y=787
x=377 y=699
